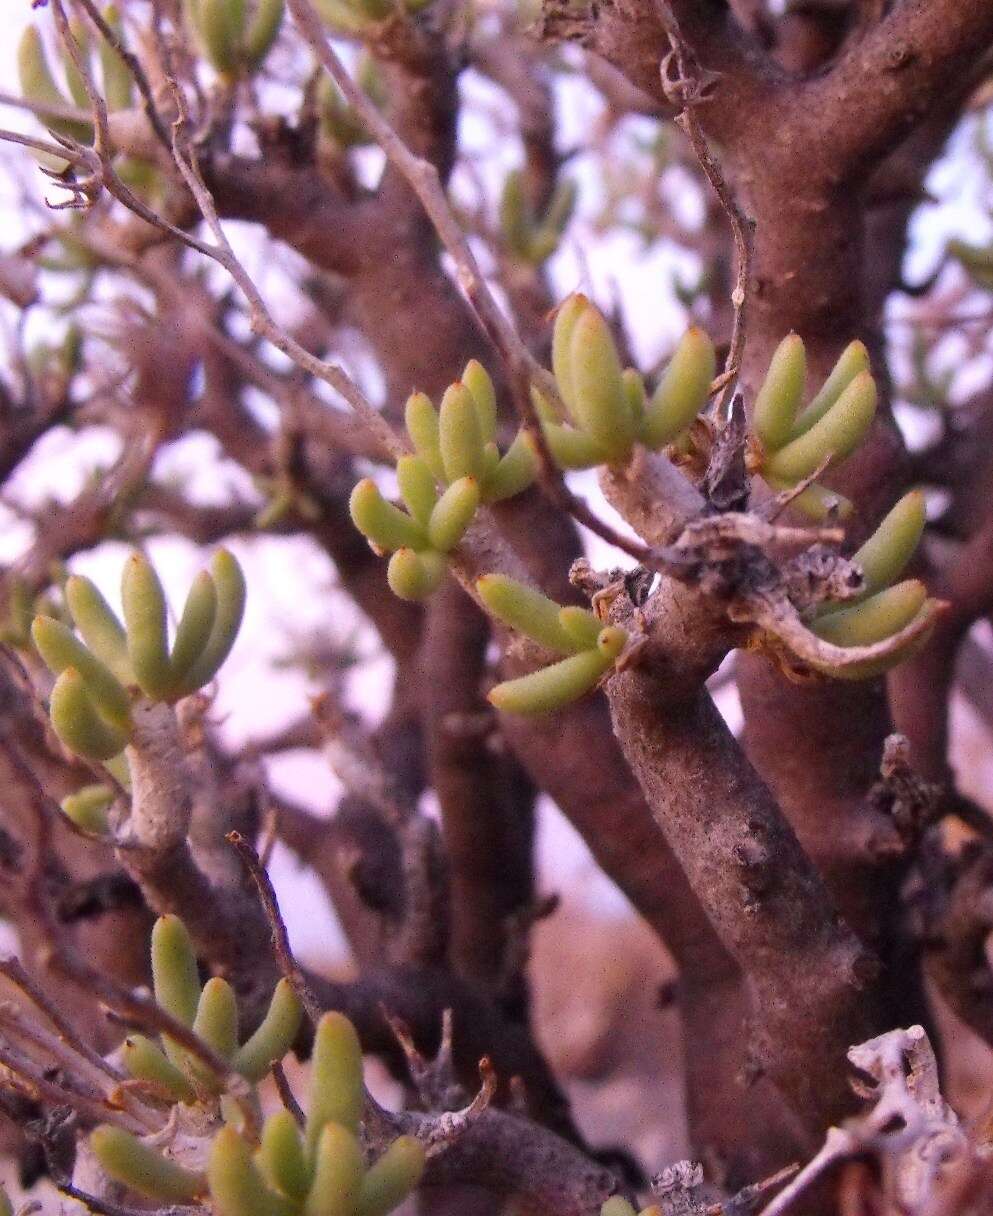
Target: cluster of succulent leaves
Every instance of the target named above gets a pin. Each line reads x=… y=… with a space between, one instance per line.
x=530 y=237
x=455 y=450
x=607 y=412
x=357 y=17
x=607 y=408
x=591 y=648
x=235 y=36
x=883 y=607
x=211 y=1012
x=100 y=671
x=794 y=441
x=316 y=1170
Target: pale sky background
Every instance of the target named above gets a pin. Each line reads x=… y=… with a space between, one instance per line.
x=290 y=582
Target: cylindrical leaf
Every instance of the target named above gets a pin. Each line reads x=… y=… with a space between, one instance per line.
x=175 y=979
x=421 y=420
x=569 y=312
x=337 y=1093
x=118 y=83
x=87 y=808
x=98 y=626
x=682 y=391
x=617 y=1205
x=61 y=649
x=415 y=576
x=477 y=380
x=885 y=554
x=338 y=1172
x=515 y=471
x=145 y=1061
x=781 y=395
x=874 y=619
x=263 y=29
x=274 y=1036
x=599 y=403
x=526 y=610
x=77 y=722
x=195 y=626
x=459 y=435
x=552 y=687
x=229 y=587
x=571 y=448
x=281 y=1158
x=417 y=487
x=381 y=522
x=391 y=1178
x=237 y=1188
x=216 y=1019
x=453 y=513
x=838 y=433
x=516 y=219
x=852 y=360
x=140 y=1168
x=145 y=620
x=221 y=29
x=581 y=625
x=38 y=85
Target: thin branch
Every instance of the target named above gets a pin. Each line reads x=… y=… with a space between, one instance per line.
x=133 y=64
x=14 y=971
x=685 y=90
x=280 y=938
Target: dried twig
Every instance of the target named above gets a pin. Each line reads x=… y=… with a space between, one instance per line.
x=280 y=938
x=684 y=90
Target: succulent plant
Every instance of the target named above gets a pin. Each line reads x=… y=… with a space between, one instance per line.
x=455 y=449
x=317 y=1170
x=591 y=647
x=100 y=672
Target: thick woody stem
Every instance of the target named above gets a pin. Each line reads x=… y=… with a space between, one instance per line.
x=808 y=972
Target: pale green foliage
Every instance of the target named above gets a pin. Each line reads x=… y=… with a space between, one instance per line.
x=319 y=1171
x=455 y=466
x=591 y=648
x=105 y=664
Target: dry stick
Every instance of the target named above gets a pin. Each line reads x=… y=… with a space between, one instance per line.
x=45 y=109
x=679 y=91
x=423 y=179
x=286 y=1095
x=280 y=938
x=132 y=63
x=133 y=1007
x=13 y=969
x=260 y=319
x=23 y=1076
x=101 y=1206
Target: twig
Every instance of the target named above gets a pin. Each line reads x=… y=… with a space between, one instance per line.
x=280 y=938
x=684 y=91
x=133 y=65
x=41 y=145
x=260 y=319
x=424 y=180
x=102 y=1207
x=15 y=972
x=286 y=1095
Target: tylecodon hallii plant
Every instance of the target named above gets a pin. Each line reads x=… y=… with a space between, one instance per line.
x=456 y=465
x=603 y=414
x=106 y=672
x=249 y=1167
